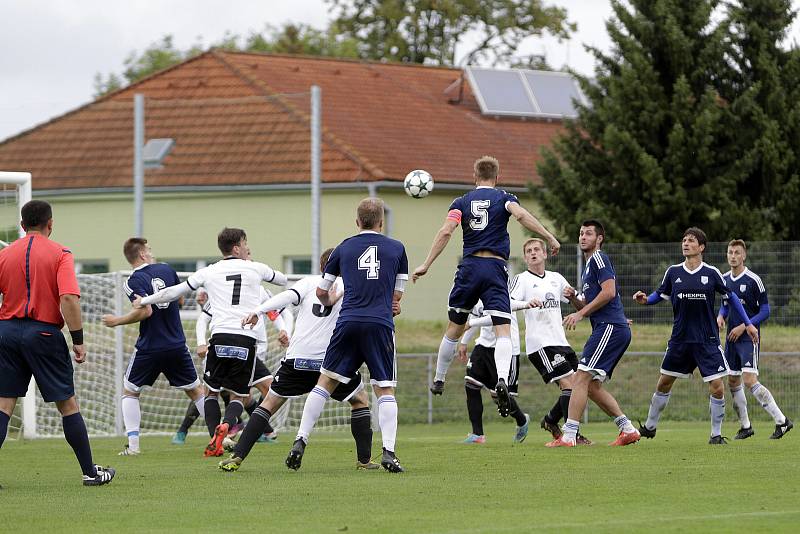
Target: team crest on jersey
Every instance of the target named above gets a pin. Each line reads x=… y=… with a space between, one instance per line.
x=743 y=288
x=704 y=279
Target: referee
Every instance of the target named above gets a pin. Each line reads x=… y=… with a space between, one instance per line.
x=40 y=293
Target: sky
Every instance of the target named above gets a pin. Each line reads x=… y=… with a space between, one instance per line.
x=52 y=49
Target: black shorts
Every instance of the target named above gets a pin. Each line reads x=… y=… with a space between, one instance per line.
x=230 y=363
x=31 y=348
x=261 y=373
x=482 y=371
x=298 y=376
x=554 y=363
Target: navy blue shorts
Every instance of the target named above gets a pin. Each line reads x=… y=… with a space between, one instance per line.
x=742 y=356
x=30 y=348
x=481 y=278
x=354 y=343
x=604 y=349
x=175 y=364
x=681 y=359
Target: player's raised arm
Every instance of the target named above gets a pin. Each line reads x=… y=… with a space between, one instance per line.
x=168 y=294
x=275 y=303
x=134 y=316
x=439 y=243
x=528 y=221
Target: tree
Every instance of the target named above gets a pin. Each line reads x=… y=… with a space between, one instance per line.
x=428 y=31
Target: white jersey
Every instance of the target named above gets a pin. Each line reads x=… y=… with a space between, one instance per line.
x=314 y=323
x=543 y=327
x=260 y=329
x=487 y=337
x=234 y=288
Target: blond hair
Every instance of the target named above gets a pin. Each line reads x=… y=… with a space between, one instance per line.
x=370 y=213
x=486 y=168
x=738 y=243
x=534 y=240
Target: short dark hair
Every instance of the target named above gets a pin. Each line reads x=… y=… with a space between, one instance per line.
x=599 y=229
x=132 y=247
x=486 y=168
x=370 y=212
x=229 y=238
x=323 y=259
x=35 y=214
x=698 y=234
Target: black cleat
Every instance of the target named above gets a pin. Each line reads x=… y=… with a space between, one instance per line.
x=646 y=432
x=438 y=387
x=503 y=401
x=780 y=430
x=553 y=428
x=745 y=433
x=295 y=458
x=718 y=440
x=103 y=475
x=390 y=462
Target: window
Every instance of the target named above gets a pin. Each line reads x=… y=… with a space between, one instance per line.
x=189 y=265
x=91 y=266
x=297 y=264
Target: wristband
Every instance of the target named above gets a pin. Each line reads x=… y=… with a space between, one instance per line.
x=77 y=336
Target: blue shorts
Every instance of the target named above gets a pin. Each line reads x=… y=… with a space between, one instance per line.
x=175 y=364
x=481 y=278
x=742 y=356
x=354 y=343
x=604 y=349
x=681 y=359
x=30 y=348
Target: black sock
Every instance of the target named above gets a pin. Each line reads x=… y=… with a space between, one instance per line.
x=4 y=419
x=213 y=414
x=233 y=410
x=515 y=412
x=475 y=409
x=563 y=400
x=188 y=420
x=252 y=405
x=226 y=397
x=78 y=439
x=259 y=420
x=360 y=426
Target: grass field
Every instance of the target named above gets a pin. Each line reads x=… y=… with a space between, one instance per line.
x=673 y=483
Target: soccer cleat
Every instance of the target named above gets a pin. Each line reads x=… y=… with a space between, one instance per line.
x=553 y=428
x=231 y=464
x=503 y=401
x=580 y=439
x=127 y=451
x=228 y=444
x=235 y=429
x=626 y=438
x=214 y=447
x=780 y=430
x=646 y=432
x=438 y=387
x=560 y=442
x=369 y=466
x=104 y=475
x=474 y=438
x=390 y=462
x=522 y=431
x=718 y=440
x=179 y=438
x=745 y=433
x=295 y=457
x=268 y=438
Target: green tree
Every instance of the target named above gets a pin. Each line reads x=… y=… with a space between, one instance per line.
x=428 y=31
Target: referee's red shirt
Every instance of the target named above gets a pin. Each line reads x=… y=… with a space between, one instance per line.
x=34 y=273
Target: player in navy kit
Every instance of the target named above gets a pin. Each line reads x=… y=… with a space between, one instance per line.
x=483 y=215
x=610 y=338
x=691 y=287
x=161 y=346
x=741 y=353
x=374 y=269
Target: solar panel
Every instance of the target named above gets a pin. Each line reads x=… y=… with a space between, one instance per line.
x=554 y=92
x=155 y=150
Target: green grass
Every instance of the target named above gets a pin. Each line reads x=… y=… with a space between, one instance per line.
x=673 y=483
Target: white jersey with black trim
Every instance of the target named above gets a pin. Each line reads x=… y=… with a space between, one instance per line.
x=543 y=326
x=487 y=337
x=314 y=323
x=260 y=329
x=234 y=288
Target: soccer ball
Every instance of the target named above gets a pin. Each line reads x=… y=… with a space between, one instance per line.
x=418 y=184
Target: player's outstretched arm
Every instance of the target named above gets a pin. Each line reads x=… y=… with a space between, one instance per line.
x=134 y=316
x=652 y=298
x=439 y=242
x=608 y=290
x=528 y=221
x=168 y=294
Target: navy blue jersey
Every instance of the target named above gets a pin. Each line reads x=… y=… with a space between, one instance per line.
x=750 y=290
x=369 y=264
x=484 y=219
x=598 y=270
x=693 y=295
x=163 y=329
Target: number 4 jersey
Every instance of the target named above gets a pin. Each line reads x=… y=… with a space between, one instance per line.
x=483 y=215
x=234 y=288
x=314 y=323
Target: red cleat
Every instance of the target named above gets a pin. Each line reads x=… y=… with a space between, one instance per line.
x=214 y=447
x=626 y=438
x=560 y=442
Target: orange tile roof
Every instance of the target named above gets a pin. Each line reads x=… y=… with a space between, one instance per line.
x=243 y=118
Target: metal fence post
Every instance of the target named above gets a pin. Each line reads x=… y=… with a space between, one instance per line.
x=430 y=395
x=119 y=428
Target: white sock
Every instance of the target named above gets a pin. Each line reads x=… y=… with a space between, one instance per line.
x=740 y=405
x=447 y=351
x=132 y=416
x=570 y=430
x=624 y=424
x=717 y=407
x=311 y=411
x=657 y=405
x=502 y=357
x=200 y=404
x=387 y=420
x=765 y=398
